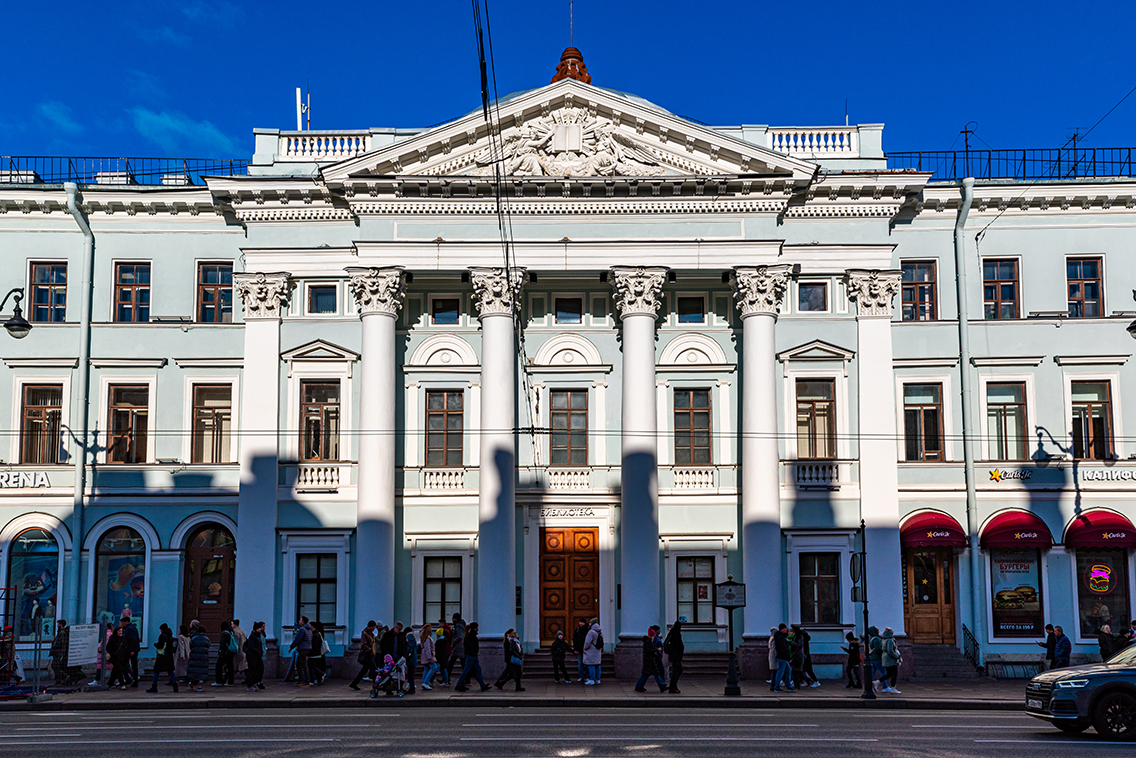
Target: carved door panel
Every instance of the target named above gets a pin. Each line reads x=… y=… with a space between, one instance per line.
x=929 y=581
x=569 y=579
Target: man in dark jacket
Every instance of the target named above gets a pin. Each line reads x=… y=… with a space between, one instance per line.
x=1050 y=645
x=255 y=649
x=366 y=654
x=302 y=644
x=578 y=638
x=674 y=649
x=457 y=643
x=784 y=653
x=1062 y=648
x=472 y=668
x=652 y=662
x=559 y=654
x=133 y=645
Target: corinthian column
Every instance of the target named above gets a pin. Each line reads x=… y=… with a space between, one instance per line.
x=638 y=296
x=758 y=292
x=378 y=293
x=873 y=292
x=263 y=295
x=496 y=290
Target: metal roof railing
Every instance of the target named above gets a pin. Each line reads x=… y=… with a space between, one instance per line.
x=175 y=172
x=1033 y=164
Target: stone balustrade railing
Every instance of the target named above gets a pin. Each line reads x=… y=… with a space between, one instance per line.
x=694 y=477
x=818 y=474
x=569 y=479
x=443 y=479
x=323 y=146
x=823 y=141
x=315 y=475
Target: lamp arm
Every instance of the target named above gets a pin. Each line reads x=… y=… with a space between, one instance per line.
x=18 y=292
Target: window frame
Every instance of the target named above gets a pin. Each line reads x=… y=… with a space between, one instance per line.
x=844 y=542
x=319 y=582
x=303 y=418
x=1043 y=590
x=200 y=288
x=998 y=301
x=299 y=542
x=144 y=456
x=1099 y=282
x=552 y=299
x=1031 y=405
x=939 y=407
x=1130 y=566
x=134 y=289
x=689 y=411
x=1117 y=446
x=193 y=408
x=990 y=437
x=829 y=293
x=816 y=579
x=94 y=541
x=916 y=286
x=569 y=411
x=30 y=303
x=693 y=582
x=10 y=554
x=328 y=284
x=833 y=437
x=426 y=581
x=461 y=321
x=60 y=453
x=445 y=413
x=705 y=309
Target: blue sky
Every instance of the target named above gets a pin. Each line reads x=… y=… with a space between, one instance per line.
x=192 y=78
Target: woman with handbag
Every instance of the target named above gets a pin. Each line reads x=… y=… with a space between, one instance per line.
x=317 y=660
x=514 y=661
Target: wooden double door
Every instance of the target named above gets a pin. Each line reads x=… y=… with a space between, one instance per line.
x=210 y=563
x=569 y=579
x=929 y=610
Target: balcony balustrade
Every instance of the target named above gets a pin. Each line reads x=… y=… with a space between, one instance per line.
x=323 y=146
x=821 y=141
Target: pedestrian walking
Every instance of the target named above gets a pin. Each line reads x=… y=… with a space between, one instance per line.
x=457 y=642
x=772 y=657
x=198 y=668
x=164 y=658
x=64 y=674
x=783 y=653
x=133 y=646
x=797 y=661
x=1062 y=648
x=875 y=656
x=223 y=671
x=317 y=660
x=593 y=652
x=1050 y=645
x=410 y=654
x=471 y=669
x=429 y=654
x=652 y=662
x=240 y=663
x=181 y=656
x=810 y=677
x=255 y=649
x=853 y=661
x=119 y=656
x=103 y=663
x=302 y=645
x=559 y=655
x=366 y=657
x=674 y=649
x=443 y=637
x=389 y=643
x=578 y=636
x=514 y=661
x=890 y=658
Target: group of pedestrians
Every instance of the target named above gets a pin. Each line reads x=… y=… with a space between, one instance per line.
x=451 y=645
x=1059 y=648
x=654 y=666
x=309 y=649
x=790 y=659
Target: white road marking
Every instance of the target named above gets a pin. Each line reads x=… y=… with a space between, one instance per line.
x=644 y=725
x=671 y=739
x=1058 y=740
x=178 y=742
x=976 y=726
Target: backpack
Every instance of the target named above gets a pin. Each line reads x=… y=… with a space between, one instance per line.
x=231 y=643
x=667 y=647
x=599 y=641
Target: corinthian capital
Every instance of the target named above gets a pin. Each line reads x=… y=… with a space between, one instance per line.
x=377 y=290
x=638 y=289
x=873 y=290
x=759 y=289
x=494 y=290
x=263 y=295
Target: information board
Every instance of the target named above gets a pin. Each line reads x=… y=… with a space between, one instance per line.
x=730 y=595
x=82 y=644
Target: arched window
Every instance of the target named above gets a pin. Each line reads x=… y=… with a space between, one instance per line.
x=33 y=567
x=120 y=580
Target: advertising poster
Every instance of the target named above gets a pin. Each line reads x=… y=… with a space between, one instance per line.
x=34 y=576
x=1102 y=591
x=82 y=644
x=123 y=589
x=1016 y=592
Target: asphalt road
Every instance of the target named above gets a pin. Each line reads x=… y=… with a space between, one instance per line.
x=569 y=733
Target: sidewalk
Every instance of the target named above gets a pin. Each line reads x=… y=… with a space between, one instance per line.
x=969 y=694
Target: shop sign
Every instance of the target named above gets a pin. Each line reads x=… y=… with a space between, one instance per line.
x=22 y=479
x=566 y=512
x=1023 y=474
x=1108 y=475
x=1098 y=578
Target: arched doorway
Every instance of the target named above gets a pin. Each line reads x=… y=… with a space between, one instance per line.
x=210 y=560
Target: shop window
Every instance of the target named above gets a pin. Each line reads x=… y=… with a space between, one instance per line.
x=212 y=423
x=816 y=418
x=444 y=427
x=1016 y=592
x=1006 y=421
x=316 y=587
x=1000 y=289
x=1092 y=420
x=33 y=569
x=692 y=310
x=918 y=291
x=691 y=427
x=215 y=293
x=129 y=414
x=820 y=588
x=1083 y=277
x=120 y=577
x=1102 y=590
x=812 y=297
x=442 y=588
x=569 y=310
x=41 y=423
x=132 y=293
x=695 y=585
x=923 y=422
x=445 y=311
x=320 y=413
x=569 y=417
x=49 y=293
x=323 y=299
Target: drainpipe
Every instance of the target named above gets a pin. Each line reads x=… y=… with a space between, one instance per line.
x=976 y=615
x=79 y=410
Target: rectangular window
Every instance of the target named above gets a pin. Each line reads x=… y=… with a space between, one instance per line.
x=923 y=422
x=812 y=297
x=816 y=418
x=1016 y=592
x=695 y=585
x=316 y=586
x=569 y=418
x=1102 y=590
x=692 y=427
x=569 y=310
x=49 y=293
x=1083 y=276
x=129 y=419
x=442 y=589
x=445 y=427
x=215 y=293
x=445 y=311
x=40 y=439
x=692 y=310
x=320 y=413
x=1092 y=420
x=322 y=299
x=820 y=588
x=212 y=423
x=919 y=303
x=1000 y=289
x=1006 y=421
x=132 y=293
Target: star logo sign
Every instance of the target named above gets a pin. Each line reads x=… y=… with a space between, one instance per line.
x=996 y=475
x=930 y=534
x=1018 y=535
x=1107 y=536
x=924 y=581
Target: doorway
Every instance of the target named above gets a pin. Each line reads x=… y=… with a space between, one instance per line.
x=569 y=579
x=210 y=562
x=929 y=592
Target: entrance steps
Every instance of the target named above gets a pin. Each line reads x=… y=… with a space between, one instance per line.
x=941 y=662
x=538 y=665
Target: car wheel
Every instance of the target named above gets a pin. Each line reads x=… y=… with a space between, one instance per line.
x=1072 y=727
x=1115 y=716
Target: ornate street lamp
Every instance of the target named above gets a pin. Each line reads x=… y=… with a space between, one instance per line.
x=17 y=326
x=1132 y=326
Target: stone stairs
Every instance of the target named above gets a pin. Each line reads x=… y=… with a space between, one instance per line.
x=538 y=665
x=936 y=662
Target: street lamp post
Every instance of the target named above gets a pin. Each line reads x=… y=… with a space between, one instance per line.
x=17 y=326
x=1132 y=326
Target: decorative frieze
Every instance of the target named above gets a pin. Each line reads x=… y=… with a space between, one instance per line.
x=873 y=290
x=638 y=289
x=377 y=290
x=263 y=295
x=494 y=292
x=760 y=289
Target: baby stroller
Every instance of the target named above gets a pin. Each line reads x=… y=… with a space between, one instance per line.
x=391 y=679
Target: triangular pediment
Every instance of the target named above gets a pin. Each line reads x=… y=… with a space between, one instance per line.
x=817 y=350
x=319 y=350
x=571 y=129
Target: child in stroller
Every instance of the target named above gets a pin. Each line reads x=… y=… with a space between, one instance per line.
x=391 y=678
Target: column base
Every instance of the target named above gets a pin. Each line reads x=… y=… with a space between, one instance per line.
x=753 y=659
x=906 y=657
x=491 y=655
x=629 y=658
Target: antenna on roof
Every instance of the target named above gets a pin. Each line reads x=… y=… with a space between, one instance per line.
x=846 y=111
x=570 y=24
x=301 y=109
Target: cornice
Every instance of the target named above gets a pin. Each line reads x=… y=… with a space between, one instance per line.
x=125 y=201
x=1038 y=199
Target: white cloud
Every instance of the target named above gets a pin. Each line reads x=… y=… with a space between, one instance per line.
x=213 y=12
x=58 y=115
x=176 y=133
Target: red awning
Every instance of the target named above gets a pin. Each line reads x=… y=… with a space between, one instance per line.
x=931 y=529
x=1100 y=528
x=1016 y=529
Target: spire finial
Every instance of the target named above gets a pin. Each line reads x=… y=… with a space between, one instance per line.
x=570 y=25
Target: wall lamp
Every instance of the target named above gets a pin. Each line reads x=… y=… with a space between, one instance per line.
x=17 y=326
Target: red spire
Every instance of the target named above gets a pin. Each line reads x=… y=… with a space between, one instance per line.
x=572 y=66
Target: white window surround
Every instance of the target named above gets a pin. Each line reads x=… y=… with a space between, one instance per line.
x=62 y=536
x=938 y=288
x=677 y=546
x=1116 y=429
x=18 y=384
x=542 y=411
x=554 y=296
x=408 y=307
x=105 y=383
x=1076 y=579
x=946 y=399
x=721 y=310
x=835 y=541
x=843 y=444
x=234 y=383
x=416 y=393
x=194 y=305
x=94 y=536
x=1103 y=281
x=464 y=317
x=1022 y=312
x=666 y=422
x=704 y=297
x=339 y=302
x=439 y=546
x=326 y=371
x=28 y=305
x=829 y=295
x=1031 y=410
x=304 y=542
x=987 y=597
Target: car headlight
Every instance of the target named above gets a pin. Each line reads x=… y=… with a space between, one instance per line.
x=1072 y=684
